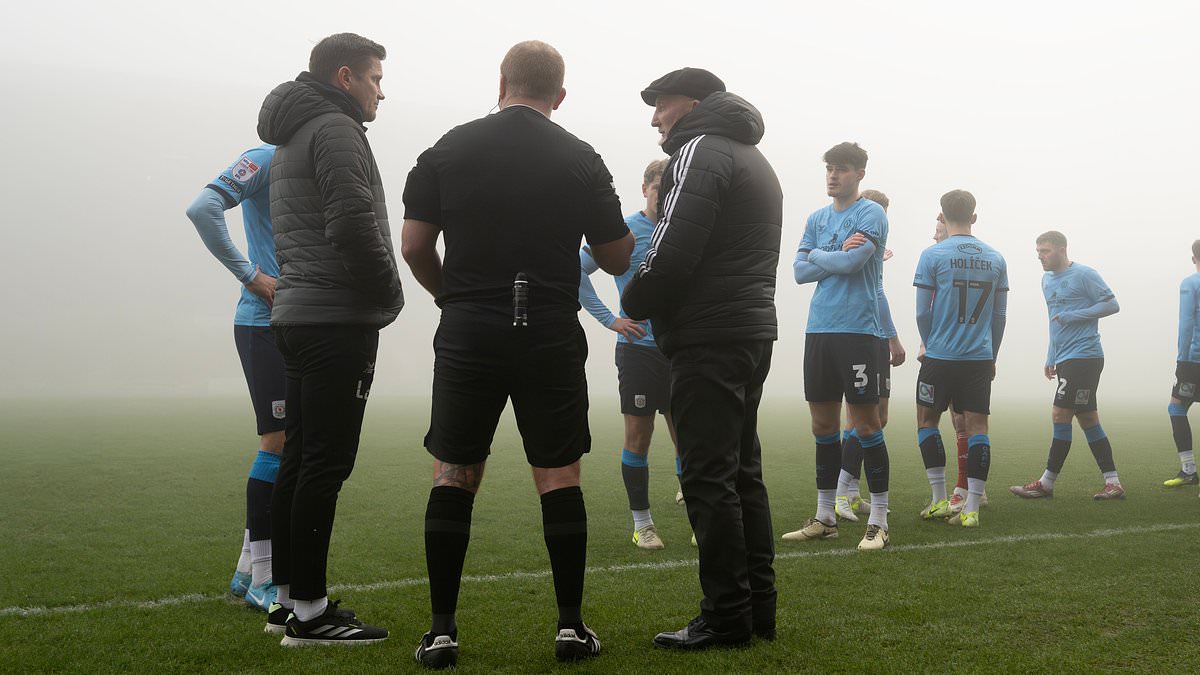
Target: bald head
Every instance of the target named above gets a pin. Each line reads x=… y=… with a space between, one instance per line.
x=534 y=70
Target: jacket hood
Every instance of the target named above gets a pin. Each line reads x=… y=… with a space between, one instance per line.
x=720 y=114
x=292 y=104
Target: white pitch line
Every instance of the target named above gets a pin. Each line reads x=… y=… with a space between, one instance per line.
x=615 y=569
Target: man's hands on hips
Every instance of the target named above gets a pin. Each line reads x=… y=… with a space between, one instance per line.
x=262 y=285
x=632 y=330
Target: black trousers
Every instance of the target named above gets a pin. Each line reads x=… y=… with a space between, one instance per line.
x=329 y=375
x=715 y=392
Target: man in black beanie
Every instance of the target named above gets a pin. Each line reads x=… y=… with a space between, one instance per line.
x=708 y=286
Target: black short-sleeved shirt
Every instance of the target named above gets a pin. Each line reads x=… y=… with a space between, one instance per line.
x=513 y=192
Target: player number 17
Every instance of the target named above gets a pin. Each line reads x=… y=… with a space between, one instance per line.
x=962 y=285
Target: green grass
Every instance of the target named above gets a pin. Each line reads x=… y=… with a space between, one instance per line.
x=109 y=505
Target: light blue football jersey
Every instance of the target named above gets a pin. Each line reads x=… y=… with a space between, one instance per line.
x=1189 y=319
x=642 y=229
x=1074 y=289
x=965 y=276
x=847 y=303
x=245 y=182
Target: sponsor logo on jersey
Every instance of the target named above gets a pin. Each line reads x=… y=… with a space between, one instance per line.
x=970 y=249
x=1083 y=396
x=244 y=170
x=639 y=400
x=278 y=410
x=925 y=392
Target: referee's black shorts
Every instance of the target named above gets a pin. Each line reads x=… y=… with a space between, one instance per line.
x=481 y=361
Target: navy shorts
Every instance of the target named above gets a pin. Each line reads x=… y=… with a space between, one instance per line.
x=1078 y=380
x=966 y=384
x=841 y=364
x=263 y=367
x=644 y=380
x=884 y=365
x=1187 y=381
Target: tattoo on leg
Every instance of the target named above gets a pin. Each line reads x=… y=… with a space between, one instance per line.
x=464 y=476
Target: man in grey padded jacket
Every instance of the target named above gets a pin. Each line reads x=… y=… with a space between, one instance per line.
x=338 y=286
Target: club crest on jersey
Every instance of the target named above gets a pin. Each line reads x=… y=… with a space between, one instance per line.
x=278 y=410
x=1083 y=396
x=244 y=170
x=1187 y=389
x=925 y=392
x=639 y=400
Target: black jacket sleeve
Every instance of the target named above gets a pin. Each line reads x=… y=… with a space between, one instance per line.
x=342 y=165
x=689 y=213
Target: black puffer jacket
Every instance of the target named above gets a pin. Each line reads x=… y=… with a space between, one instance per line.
x=330 y=224
x=709 y=276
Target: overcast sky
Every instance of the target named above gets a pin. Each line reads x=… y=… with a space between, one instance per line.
x=1069 y=116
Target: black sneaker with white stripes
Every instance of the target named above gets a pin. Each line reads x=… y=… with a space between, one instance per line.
x=277 y=617
x=437 y=652
x=333 y=627
x=574 y=644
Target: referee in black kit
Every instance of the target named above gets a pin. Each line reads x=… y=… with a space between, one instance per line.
x=512 y=194
x=708 y=286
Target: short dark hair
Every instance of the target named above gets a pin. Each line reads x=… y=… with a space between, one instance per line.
x=533 y=69
x=877 y=197
x=958 y=206
x=654 y=171
x=1196 y=249
x=1052 y=237
x=343 y=49
x=847 y=153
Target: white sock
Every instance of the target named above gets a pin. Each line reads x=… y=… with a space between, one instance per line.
x=307 y=610
x=284 y=596
x=843 y=488
x=642 y=519
x=937 y=482
x=975 y=488
x=1110 y=477
x=962 y=492
x=852 y=490
x=1187 y=461
x=879 y=508
x=825 y=506
x=243 y=564
x=260 y=559
x=1048 y=478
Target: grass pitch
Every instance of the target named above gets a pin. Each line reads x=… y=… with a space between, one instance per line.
x=121 y=524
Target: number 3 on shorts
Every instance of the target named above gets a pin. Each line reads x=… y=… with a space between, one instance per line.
x=860 y=374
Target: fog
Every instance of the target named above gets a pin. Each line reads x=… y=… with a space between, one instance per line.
x=117 y=114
